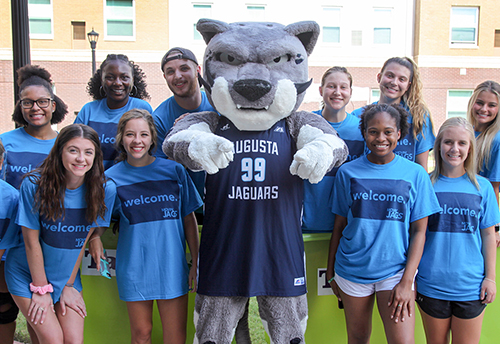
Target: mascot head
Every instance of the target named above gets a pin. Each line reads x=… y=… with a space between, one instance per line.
x=256 y=73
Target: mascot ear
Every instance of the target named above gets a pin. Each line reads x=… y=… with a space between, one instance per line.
x=209 y=28
x=306 y=31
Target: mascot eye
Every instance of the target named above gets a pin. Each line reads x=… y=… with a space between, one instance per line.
x=281 y=59
x=226 y=58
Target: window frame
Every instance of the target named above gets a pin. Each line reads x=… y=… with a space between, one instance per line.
x=458 y=102
x=377 y=26
x=327 y=23
x=197 y=37
x=106 y=15
x=464 y=44
x=45 y=9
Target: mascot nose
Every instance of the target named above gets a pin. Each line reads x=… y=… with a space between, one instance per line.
x=252 y=89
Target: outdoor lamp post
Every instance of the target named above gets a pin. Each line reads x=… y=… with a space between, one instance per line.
x=93 y=36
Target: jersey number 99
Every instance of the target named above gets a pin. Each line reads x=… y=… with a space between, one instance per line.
x=253 y=169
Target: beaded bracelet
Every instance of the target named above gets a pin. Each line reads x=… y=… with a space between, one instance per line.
x=487 y=279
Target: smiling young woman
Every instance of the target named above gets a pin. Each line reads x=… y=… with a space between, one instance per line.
x=379 y=198
x=67 y=191
x=482 y=112
x=157 y=199
x=117 y=86
x=400 y=83
x=456 y=276
x=336 y=91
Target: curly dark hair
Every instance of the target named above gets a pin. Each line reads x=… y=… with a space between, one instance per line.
x=51 y=177
x=30 y=75
x=396 y=111
x=95 y=82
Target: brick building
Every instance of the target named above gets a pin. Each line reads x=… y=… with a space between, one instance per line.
x=456 y=43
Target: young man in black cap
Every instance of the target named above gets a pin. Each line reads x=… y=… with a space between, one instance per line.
x=180 y=69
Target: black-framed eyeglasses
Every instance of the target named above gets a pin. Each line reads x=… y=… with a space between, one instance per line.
x=42 y=103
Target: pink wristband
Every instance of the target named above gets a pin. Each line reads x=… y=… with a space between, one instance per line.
x=41 y=290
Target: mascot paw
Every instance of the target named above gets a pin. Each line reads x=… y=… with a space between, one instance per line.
x=212 y=152
x=312 y=161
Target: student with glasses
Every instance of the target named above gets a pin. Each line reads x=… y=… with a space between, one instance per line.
x=25 y=149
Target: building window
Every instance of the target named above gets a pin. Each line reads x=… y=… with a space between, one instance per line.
x=78 y=30
x=40 y=19
x=119 y=16
x=200 y=11
x=256 y=12
x=331 y=24
x=382 y=19
x=464 y=25
x=497 y=38
x=356 y=38
x=457 y=102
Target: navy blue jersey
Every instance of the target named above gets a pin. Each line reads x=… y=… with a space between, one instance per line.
x=251 y=242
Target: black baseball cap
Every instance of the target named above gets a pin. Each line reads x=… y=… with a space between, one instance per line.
x=184 y=54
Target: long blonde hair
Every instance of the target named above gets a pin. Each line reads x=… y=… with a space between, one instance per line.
x=484 y=139
x=470 y=161
x=413 y=97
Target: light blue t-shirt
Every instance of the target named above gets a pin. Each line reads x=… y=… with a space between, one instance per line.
x=152 y=202
x=23 y=153
x=492 y=171
x=61 y=240
x=10 y=233
x=408 y=147
x=167 y=112
x=380 y=202
x=165 y=115
x=104 y=120
x=317 y=215
x=452 y=265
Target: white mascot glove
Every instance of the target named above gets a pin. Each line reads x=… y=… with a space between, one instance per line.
x=315 y=155
x=212 y=152
x=206 y=149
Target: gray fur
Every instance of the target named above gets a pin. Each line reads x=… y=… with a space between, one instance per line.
x=219 y=316
x=253 y=72
x=284 y=316
x=301 y=118
x=255 y=59
x=178 y=151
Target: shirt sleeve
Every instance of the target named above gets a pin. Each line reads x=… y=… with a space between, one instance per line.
x=493 y=170
x=161 y=132
x=11 y=231
x=109 y=200
x=490 y=215
x=426 y=202
x=27 y=216
x=83 y=115
x=340 y=200
x=190 y=199
x=425 y=140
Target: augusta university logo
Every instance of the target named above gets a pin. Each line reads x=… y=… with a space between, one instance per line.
x=379 y=199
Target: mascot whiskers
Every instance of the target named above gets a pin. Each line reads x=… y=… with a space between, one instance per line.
x=256 y=151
